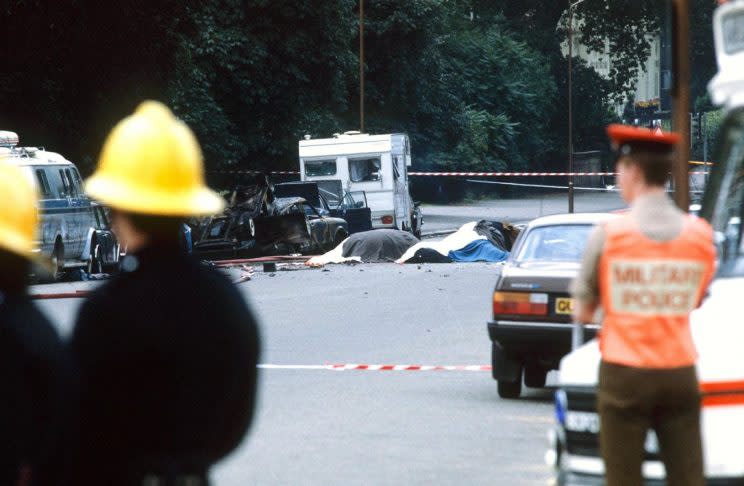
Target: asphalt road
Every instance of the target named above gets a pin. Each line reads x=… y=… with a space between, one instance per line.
x=439 y=218
x=324 y=427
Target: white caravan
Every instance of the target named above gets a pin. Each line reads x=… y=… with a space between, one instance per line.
x=374 y=164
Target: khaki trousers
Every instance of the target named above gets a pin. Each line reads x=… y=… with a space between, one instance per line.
x=633 y=400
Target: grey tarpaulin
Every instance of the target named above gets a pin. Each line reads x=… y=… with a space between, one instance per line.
x=382 y=245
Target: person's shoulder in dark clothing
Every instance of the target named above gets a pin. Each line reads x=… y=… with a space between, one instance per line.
x=38 y=380
x=177 y=287
x=170 y=328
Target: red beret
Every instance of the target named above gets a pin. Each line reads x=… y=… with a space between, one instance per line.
x=625 y=138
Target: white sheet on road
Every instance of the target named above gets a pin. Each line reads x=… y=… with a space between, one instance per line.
x=334 y=256
x=456 y=241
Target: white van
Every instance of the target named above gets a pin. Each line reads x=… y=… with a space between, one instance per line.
x=73 y=229
x=375 y=164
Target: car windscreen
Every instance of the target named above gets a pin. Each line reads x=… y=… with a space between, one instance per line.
x=555 y=243
x=309 y=192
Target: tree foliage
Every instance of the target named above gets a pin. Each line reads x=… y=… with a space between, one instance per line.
x=478 y=84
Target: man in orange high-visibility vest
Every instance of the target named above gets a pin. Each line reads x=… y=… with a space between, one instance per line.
x=647 y=270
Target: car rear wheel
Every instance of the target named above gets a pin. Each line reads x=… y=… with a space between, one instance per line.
x=510 y=389
x=535 y=376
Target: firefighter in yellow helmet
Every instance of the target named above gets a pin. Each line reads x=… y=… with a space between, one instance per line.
x=34 y=366
x=167 y=349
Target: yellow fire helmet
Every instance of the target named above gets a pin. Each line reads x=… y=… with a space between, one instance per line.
x=151 y=163
x=18 y=213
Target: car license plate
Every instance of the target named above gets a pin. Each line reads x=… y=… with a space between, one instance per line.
x=563 y=305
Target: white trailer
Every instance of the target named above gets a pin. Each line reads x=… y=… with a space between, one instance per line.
x=375 y=164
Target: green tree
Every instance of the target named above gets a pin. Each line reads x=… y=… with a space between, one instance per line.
x=471 y=96
x=477 y=84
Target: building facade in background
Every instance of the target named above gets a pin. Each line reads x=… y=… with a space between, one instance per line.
x=648 y=97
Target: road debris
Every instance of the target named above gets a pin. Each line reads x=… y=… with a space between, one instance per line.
x=246 y=274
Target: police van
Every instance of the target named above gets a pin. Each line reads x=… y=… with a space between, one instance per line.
x=717 y=326
x=74 y=231
x=375 y=165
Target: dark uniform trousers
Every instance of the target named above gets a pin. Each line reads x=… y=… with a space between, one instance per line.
x=633 y=400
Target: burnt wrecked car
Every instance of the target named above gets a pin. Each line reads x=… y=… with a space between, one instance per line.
x=330 y=200
x=257 y=223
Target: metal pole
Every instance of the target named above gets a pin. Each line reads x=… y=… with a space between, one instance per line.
x=681 y=100
x=704 y=128
x=361 y=66
x=705 y=146
x=570 y=109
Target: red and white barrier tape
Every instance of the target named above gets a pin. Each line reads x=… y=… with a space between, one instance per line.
x=377 y=367
x=507 y=174
x=79 y=294
x=458 y=174
x=517 y=174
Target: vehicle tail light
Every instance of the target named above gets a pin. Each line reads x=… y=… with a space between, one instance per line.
x=524 y=303
x=387 y=220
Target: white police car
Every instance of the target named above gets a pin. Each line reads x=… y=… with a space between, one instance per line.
x=717 y=326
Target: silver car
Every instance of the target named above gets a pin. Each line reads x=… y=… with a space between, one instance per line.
x=531 y=327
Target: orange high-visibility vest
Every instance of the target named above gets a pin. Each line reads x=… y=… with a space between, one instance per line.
x=648 y=289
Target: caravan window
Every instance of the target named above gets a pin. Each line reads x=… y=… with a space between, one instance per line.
x=366 y=169
x=319 y=168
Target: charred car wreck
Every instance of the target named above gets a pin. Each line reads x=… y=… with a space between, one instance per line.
x=330 y=199
x=257 y=223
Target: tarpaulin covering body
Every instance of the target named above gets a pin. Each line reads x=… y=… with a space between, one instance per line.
x=382 y=245
x=427 y=255
x=493 y=233
x=479 y=251
x=500 y=234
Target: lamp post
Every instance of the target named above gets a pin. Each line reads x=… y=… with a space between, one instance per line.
x=361 y=66
x=571 y=7
x=681 y=100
